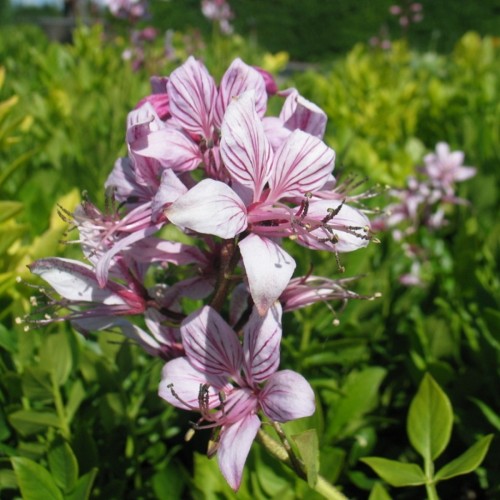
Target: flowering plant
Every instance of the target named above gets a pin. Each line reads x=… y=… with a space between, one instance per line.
x=207 y=161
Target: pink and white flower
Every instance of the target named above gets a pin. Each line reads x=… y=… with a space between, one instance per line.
x=230 y=383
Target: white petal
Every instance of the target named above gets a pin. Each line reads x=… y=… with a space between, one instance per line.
x=287 y=396
x=235 y=443
x=192 y=92
x=180 y=385
x=210 y=207
x=211 y=344
x=245 y=150
x=261 y=344
x=74 y=281
x=302 y=164
x=239 y=78
x=268 y=268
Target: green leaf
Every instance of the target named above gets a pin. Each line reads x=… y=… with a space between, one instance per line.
x=396 y=473
x=307 y=443
x=83 y=486
x=34 y=481
x=8 y=480
x=379 y=493
x=56 y=353
x=36 y=384
x=8 y=339
x=467 y=461
x=28 y=422
x=9 y=209
x=359 y=396
x=63 y=465
x=430 y=419
x=490 y=414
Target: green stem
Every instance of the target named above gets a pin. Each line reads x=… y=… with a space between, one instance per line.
x=430 y=485
x=277 y=450
x=60 y=410
x=431 y=491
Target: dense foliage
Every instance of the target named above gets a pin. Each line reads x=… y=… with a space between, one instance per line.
x=81 y=416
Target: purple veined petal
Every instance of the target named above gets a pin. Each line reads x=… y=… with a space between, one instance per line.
x=349 y=225
x=268 y=268
x=131 y=331
x=170 y=189
x=104 y=263
x=170 y=147
x=299 y=113
x=210 y=207
x=154 y=249
x=159 y=101
x=244 y=148
x=76 y=281
x=261 y=344
x=180 y=385
x=192 y=93
x=302 y=164
x=196 y=288
x=168 y=337
x=235 y=443
x=122 y=179
x=275 y=132
x=211 y=344
x=142 y=121
x=239 y=78
x=287 y=396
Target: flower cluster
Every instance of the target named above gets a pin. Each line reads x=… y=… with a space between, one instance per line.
x=133 y=10
x=206 y=163
x=410 y=13
x=220 y=12
x=422 y=203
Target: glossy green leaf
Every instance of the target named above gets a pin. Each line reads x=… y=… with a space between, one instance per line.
x=396 y=473
x=83 y=486
x=430 y=419
x=34 y=481
x=63 y=465
x=307 y=443
x=467 y=462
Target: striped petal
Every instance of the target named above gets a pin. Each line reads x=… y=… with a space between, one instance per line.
x=192 y=92
x=211 y=344
x=302 y=164
x=287 y=396
x=299 y=113
x=76 y=281
x=261 y=344
x=180 y=385
x=245 y=149
x=239 y=78
x=235 y=443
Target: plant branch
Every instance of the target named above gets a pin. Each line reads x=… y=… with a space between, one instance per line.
x=277 y=450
